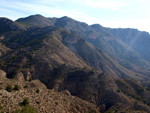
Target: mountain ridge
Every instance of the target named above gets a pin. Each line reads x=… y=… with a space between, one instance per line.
x=104 y=40
x=90 y=62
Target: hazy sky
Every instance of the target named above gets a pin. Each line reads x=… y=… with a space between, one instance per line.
x=108 y=13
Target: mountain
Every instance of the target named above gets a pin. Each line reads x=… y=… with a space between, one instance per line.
x=35 y=20
x=92 y=63
x=104 y=40
x=137 y=40
x=94 y=55
x=8 y=25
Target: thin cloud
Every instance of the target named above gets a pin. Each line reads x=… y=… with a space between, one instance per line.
x=118 y=13
x=107 y=4
x=10 y=14
x=45 y=10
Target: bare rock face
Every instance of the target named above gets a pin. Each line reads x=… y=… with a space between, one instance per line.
x=19 y=76
x=66 y=92
x=102 y=108
x=36 y=84
x=2 y=73
x=27 y=75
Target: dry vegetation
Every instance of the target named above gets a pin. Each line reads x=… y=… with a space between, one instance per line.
x=45 y=101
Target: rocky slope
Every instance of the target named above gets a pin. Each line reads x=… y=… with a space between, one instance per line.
x=137 y=40
x=8 y=25
x=71 y=57
x=45 y=100
x=35 y=20
x=119 y=58
x=103 y=92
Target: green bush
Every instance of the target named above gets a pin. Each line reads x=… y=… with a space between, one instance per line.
x=145 y=101
x=25 y=102
x=26 y=86
x=84 y=67
x=92 y=111
x=16 y=87
x=118 y=90
x=9 y=88
x=148 y=104
x=37 y=91
x=110 y=111
x=27 y=109
x=1 y=107
x=137 y=97
x=92 y=71
x=30 y=79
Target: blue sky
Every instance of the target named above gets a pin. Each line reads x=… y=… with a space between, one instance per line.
x=108 y=13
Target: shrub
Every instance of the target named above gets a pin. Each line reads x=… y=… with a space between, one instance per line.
x=145 y=101
x=9 y=88
x=26 y=86
x=92 y=71
x=92 y=111
x=137 y=97
x=27 y=109
x=84 y=67
x=116 y=110
x=25 y=102
x=30 y=79
x=37 y=91
x=148 y=104
x=16 y=87
x=118 y=90
x=147 y=89
x=1 y=107
x=110 y=111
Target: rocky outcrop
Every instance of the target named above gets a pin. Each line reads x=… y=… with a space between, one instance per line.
x=18 y=76
x=66 y=92
x=27 y=75
x=2 y=73
x=46 y=101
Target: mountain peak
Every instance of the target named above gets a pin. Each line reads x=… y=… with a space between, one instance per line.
x=97 y=26
x=35 y=20
x=65 y=17
x=8 y=25
x=37 y=15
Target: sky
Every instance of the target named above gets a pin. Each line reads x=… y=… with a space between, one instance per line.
x=108 y=13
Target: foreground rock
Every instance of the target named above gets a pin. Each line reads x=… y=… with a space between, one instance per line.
x=46 y=101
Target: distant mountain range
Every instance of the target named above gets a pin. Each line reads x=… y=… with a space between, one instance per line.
x=101 y=65
x=118 y=52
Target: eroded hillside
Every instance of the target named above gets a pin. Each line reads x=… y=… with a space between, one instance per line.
x=74 y=61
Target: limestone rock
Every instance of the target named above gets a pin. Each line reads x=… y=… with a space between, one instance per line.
x=19 y=76
x=27 y=75
x=66 y=92
x=2 y=73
